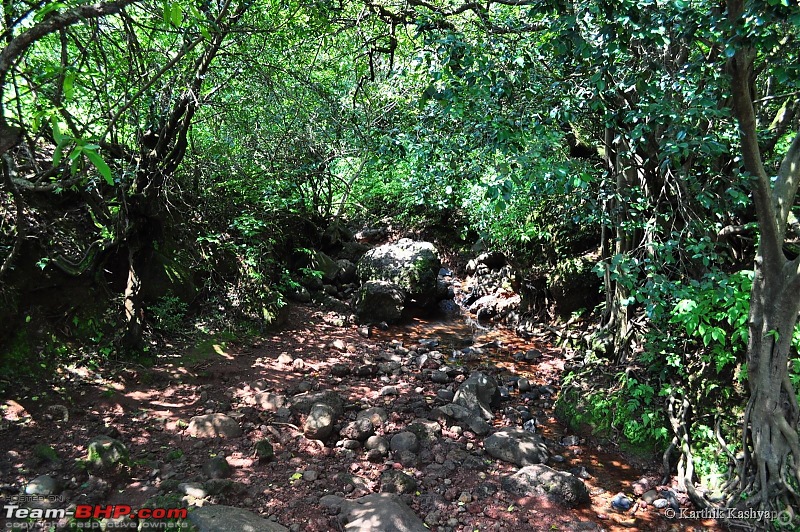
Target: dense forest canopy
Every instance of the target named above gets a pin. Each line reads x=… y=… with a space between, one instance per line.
x=178 y=158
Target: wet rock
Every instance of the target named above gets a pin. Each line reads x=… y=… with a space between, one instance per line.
x=393 y=481
x=219 y=518
x=404 y=441
x=479 y=393
x=517 y=446
x=559 y=486
x=319 y=423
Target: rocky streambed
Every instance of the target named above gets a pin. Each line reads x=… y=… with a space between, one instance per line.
x=433 y=424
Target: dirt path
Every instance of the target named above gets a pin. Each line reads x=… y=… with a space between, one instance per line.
x=457 y=485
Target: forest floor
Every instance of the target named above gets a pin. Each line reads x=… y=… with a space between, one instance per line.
x=148 y=409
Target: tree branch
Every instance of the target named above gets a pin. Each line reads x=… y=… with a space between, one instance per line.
x=51 y=24
x=741 y=69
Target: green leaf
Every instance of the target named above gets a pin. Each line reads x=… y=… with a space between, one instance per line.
x=49 y=8
x=177 y=15
x=100 y=164
x=69 y=85
x=57 y=134
x=59 y=151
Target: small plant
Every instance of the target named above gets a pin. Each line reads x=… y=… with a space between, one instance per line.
x=169 y=313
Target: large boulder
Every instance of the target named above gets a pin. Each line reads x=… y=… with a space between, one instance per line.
x=413 y=266
x=376 y=512
x=564 y=488
x=378 y=301
x=479 y=393
x=218 y=518
x=517 y=446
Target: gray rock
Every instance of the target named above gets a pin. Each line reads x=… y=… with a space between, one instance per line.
x=193 y=489
x=263 y=450
x=105 y=452
x=479 y=393
x=347 y=271
x=269 y=401
x=376 y=414
x=405 y=441
x=42 y=485
x=377 y=443
x=360 y=429
x=319 y=423
x=219 y=518
x=570 y=440
x=379 y=301
x=340 y=370
x=457 y=413
x=524 y=385
x=394 y=481
x=217 y=467
x=621 y=502
x=517 y=446
x=660 y=503
x=377 y=512
x=303 y=403
x=425 y=429
x=445 y=395
x=533 y=354
x=411 y=266
x=562 y=487
x=440 y=377
x=299 y=294
x=650 y=496
x=322 y=262
x=214 y=425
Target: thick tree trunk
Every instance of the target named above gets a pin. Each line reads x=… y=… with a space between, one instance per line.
x=769 y=475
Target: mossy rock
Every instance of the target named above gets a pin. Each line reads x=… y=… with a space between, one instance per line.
x=45 y=453
x=413 y=266
x=104 y=452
